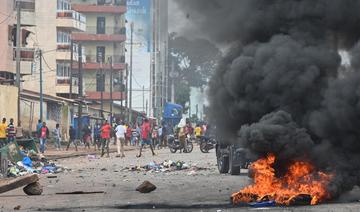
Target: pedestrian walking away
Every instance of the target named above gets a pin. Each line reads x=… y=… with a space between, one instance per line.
x=11 y=131
x=57 y=136
x=145 y=135
x=44 y=135
x=3 y=127
x=87 y=136
x=120 y=139
x=72 y=135
x=97 y=135
x=105 y=138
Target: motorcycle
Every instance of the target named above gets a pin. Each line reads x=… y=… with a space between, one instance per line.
x=206 y=144
x=174 y=144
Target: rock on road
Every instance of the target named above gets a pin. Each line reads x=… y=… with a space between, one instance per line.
x=204 y=190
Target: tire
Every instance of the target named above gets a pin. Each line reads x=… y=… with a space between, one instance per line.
x=222 y=163
x=173 y=150
x=189 y=147
x=203 y=148
x=233 y=170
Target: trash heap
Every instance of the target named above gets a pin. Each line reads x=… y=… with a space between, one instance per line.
x=32 y=163
x=165 y=167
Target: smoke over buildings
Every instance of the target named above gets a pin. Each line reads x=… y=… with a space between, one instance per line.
x=279 y=89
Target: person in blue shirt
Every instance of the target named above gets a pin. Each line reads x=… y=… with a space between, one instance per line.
x=38 y=127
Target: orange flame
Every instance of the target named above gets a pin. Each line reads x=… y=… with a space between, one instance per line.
x=301 y=179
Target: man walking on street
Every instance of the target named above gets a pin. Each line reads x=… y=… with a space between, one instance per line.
x=44 y=134
x=120 y=139
x=11 y=132
x=3 y=127
x=57 y=136
x=72 y=135
x=145 y=135
x=105 y=138
x=38 y=127
x=97 y=137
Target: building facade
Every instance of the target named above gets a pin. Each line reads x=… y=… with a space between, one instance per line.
x=159 y=59
x=104 y=42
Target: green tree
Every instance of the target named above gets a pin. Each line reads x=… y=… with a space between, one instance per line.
x=194 y=62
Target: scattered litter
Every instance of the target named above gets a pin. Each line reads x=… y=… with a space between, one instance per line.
x=146 y=187
x=32 y=163
x=92 y=157
x=103 y=170
x=17 y=207
x=165 y=167
x=51 y=176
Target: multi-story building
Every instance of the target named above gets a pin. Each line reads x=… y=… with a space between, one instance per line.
x=51 y=34
x=104 y=41
x=159 y=62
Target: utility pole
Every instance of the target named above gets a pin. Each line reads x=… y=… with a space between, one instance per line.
x=80 y=92
x=131 y=69
x=122 y=92
x=111 y=89
x=41 y=87
x=102 y=87
x=127 y=92
x=18 y=82
x=71 y=68
x=143 y=97
x=146 y=109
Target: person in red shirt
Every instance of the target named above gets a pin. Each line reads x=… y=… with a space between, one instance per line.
x=145 y=136
x=105 y=138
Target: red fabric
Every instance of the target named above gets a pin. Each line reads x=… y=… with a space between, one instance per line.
x=145 y=130
x=128 y=132
x=43 y=132
x=105 y=131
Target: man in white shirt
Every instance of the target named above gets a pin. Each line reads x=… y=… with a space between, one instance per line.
x=120 y=139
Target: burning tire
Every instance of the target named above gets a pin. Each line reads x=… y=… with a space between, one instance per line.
x=234 y=170
x=222 y=162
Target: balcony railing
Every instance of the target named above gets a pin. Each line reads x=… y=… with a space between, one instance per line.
x=116 y=59
x=106 y=30
x=25 y=5
x=66 y=81
x=71 y=14
x=112 y=2
x=26 y=54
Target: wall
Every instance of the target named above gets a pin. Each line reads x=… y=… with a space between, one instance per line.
x=8 y=102
x=44 y=37
x=6 y=55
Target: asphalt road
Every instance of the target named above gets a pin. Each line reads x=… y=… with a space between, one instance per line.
x=204 y=190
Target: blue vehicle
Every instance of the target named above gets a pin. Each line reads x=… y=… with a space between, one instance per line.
x=172 y=114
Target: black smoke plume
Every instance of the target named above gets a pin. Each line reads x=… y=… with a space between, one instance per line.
x=285 y=71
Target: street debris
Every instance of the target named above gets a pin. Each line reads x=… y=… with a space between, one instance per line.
x=80 y=192
x=32 y=163
x=165 y=167
x=14 y=183
x=146 y=187
x=17 y=208
x=33 y=189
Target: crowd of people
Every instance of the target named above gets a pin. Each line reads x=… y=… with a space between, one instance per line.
x=103 y=134
x=8 y=132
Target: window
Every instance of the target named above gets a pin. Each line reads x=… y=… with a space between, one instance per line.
x=63 y=5
x=100 y=27
x=63 y=37
x=100 y=54
x=63 y=70
x=100 y=2
x=100 y=82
